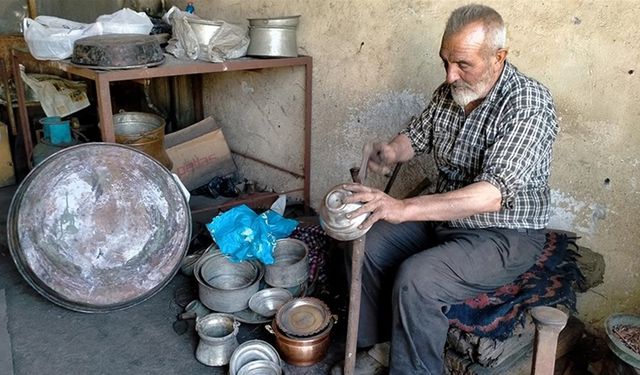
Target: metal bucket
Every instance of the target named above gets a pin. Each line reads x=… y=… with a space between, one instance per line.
x=273 y=37
x=143 y=131
x=98 y=227
x=217 y=339
x=291 y=265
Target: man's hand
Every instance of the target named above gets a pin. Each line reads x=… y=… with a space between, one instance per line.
x=382 y=158
x=379 y=205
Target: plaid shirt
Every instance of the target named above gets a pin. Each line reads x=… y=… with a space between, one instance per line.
x=507 y=141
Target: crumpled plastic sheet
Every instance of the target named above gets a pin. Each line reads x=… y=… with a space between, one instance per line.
x=242 y=234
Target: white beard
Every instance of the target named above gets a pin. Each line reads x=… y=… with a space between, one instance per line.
x=463 y=93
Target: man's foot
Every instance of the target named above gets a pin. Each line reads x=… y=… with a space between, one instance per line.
x=365 y=365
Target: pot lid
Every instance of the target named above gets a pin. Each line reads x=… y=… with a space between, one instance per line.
x=98 y=227
x=286 y=21
x=303 y=316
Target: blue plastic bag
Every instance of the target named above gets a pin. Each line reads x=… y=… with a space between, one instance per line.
x=243 y=234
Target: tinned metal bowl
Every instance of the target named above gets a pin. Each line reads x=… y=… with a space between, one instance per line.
x=219 y=272
x=250 y=351
x=188 y=263
x=291 y=264
x=204 y=29
x=260 y=367
x=229 y=301
x=266 y=302
x=333 y=216
x=617 y=346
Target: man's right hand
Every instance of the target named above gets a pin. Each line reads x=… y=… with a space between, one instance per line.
x=382 y=159
x=384 y=156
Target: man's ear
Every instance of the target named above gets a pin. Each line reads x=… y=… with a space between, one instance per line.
x=501 y=55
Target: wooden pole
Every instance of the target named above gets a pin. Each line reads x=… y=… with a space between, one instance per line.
x=354 y=306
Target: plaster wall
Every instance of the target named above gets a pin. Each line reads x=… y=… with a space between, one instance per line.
x=376 y=64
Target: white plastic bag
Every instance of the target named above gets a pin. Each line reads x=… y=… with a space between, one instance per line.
x=230 y=42
x=52 y=38
x=55 y=42
x=125 y=21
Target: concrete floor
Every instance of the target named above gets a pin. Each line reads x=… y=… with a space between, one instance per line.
x=39 y=337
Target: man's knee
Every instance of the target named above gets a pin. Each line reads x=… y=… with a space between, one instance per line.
x=424 y=277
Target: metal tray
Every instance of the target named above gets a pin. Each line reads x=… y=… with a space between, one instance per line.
x=98 y=227
x=302 y=317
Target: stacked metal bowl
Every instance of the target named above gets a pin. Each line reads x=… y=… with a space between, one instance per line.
x=267 y=302
x=302 y=330
x=255 y=357
x=290 y=269
x=226 y=286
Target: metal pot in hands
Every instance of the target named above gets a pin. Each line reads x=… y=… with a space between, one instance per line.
x=333 y=217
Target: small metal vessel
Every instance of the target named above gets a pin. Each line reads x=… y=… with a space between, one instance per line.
x=217 y=338
x=333 y=217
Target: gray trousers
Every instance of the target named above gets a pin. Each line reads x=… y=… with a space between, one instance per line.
x=413 y=271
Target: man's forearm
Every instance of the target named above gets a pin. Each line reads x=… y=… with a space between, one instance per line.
x=479 y=197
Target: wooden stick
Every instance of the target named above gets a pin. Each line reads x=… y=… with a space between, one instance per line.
x=354 y=306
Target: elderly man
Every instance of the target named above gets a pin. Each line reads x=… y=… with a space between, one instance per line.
x=491 y=130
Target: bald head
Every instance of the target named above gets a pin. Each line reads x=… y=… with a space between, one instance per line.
x=494 y=37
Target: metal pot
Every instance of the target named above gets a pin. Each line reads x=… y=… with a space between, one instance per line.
x=291 y=265
x=333 y=217
x=229 y=301
x=217 y=339
x=204 y=29
x=250 y=351
x=305 y=351
x=142 y=131
x=273 y=37
x=287 y=21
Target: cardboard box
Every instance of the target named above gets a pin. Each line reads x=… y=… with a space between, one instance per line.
x=199 y=153
x=7 y=174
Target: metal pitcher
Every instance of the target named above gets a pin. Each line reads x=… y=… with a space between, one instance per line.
x=217 y=338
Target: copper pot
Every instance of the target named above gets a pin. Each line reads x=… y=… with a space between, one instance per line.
x=301 y=351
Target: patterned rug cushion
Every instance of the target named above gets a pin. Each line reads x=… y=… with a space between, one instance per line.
x=548 y=282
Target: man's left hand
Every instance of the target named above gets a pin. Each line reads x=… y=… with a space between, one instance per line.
x=379 y=205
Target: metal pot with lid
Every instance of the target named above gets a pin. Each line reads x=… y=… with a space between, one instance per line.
x=273 y=37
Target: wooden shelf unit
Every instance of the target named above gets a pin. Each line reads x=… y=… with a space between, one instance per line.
x=170 y=67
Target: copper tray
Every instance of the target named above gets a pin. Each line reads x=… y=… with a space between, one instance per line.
x=98 y=227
